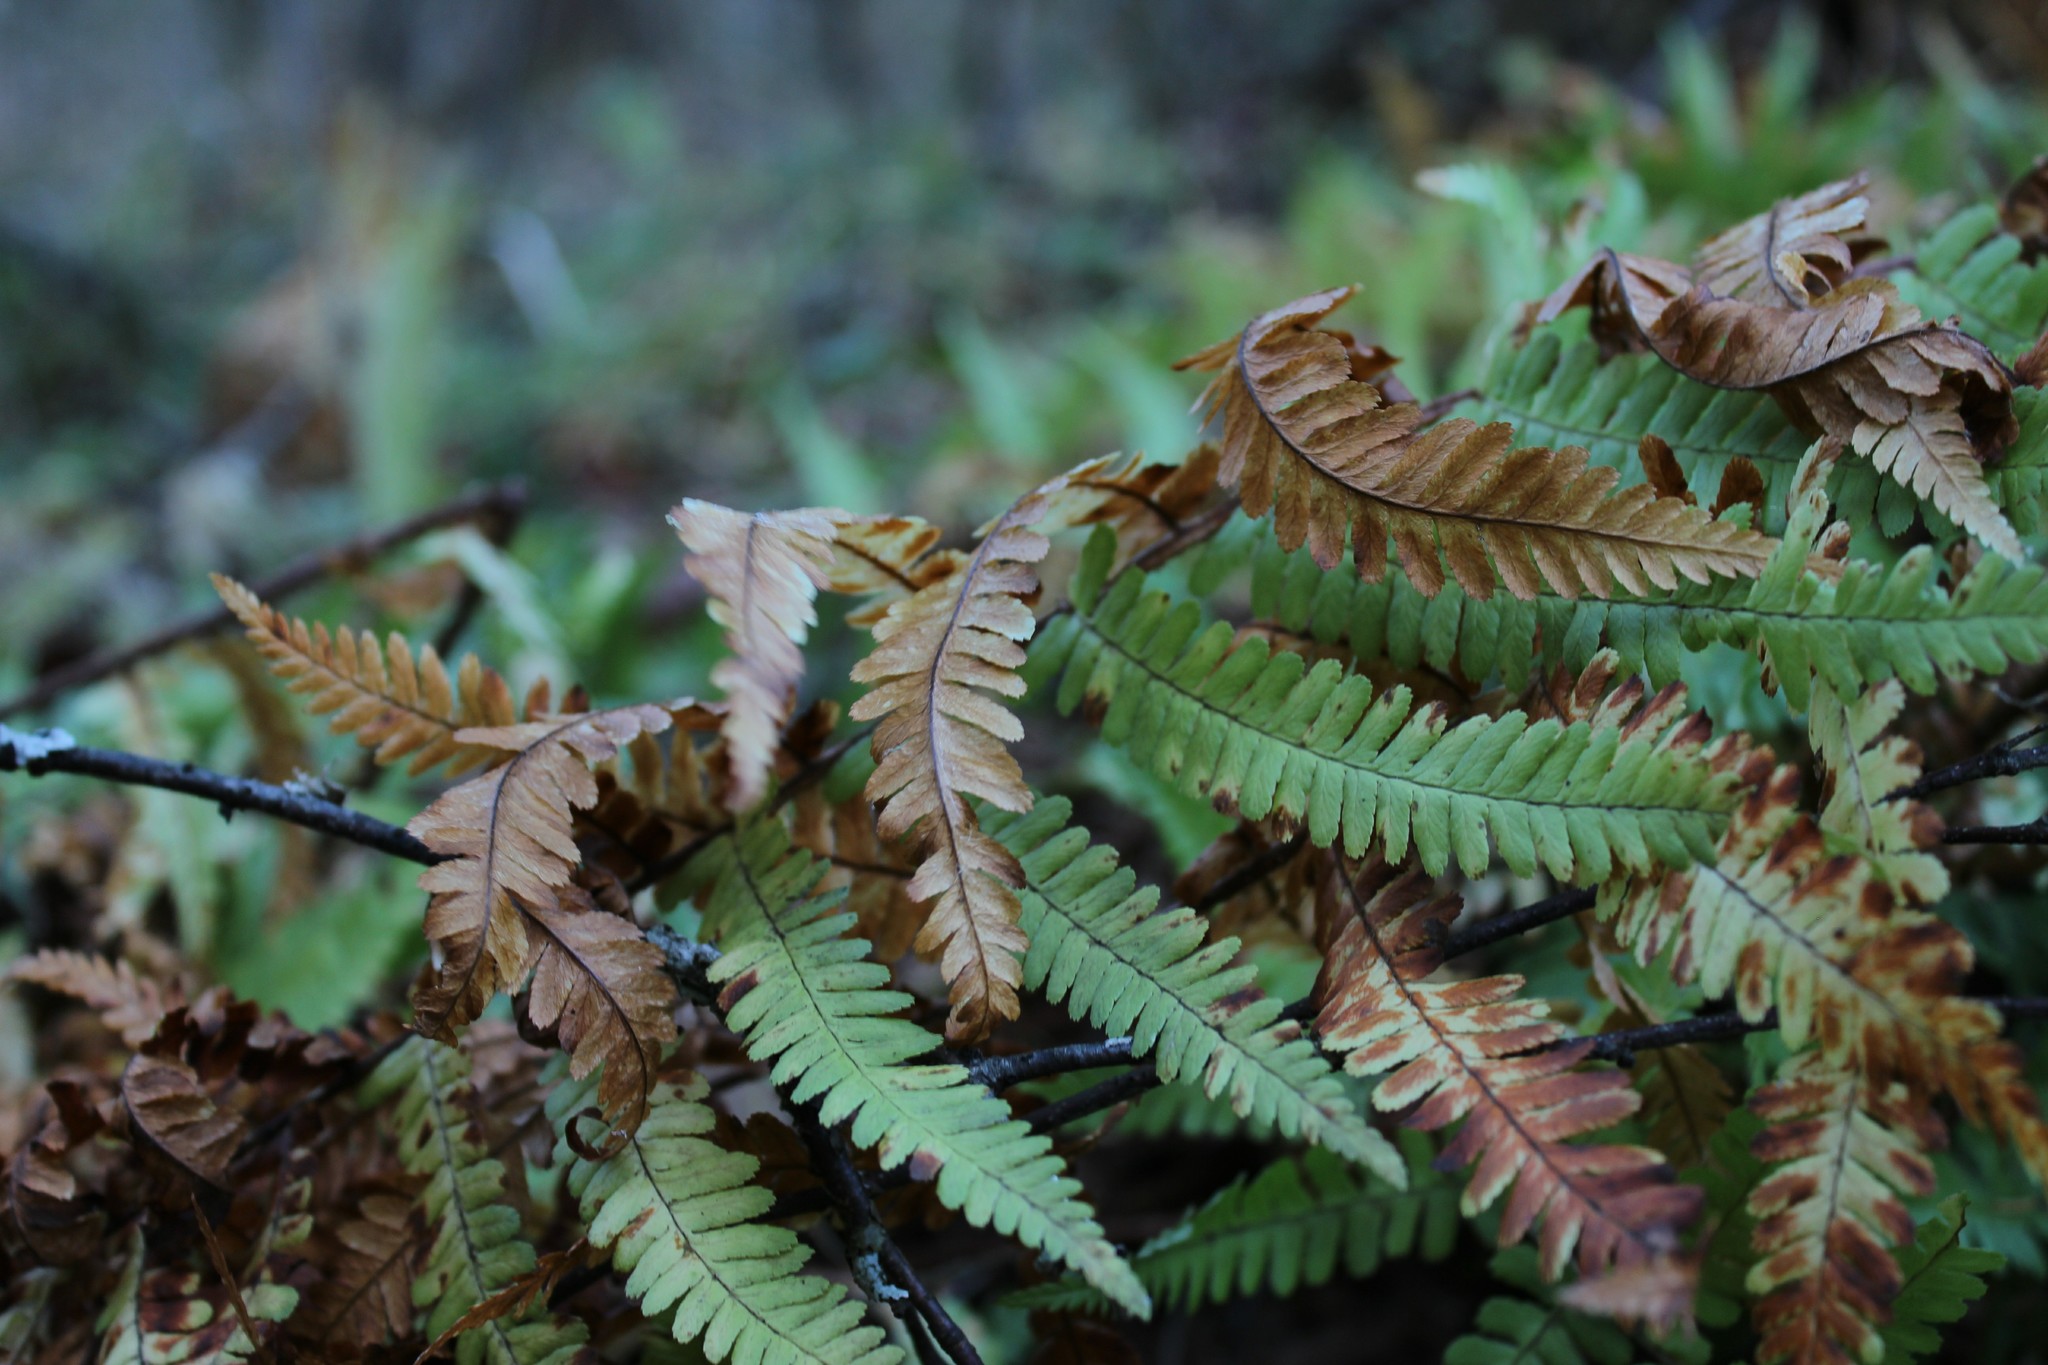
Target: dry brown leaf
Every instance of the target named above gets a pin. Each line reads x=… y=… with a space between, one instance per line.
x=171 y=1114
x=522 y=1294
x=1845 y=1149
x=1305 y=438
x=1741 y=481
x=508 y=839
x=42 y=1202
x=1473 y=1050
x=1924 y=402
x=391 y=703
x=939 y=655
x=1661 y=467
x=1141 y=502
x=1792 y=253
x=1657 y=1294
x=875 y=875
x=763 y=572
x=884 y=560
x=363 y=1294
x=603 y=989
x=130 y=1005
x=2023 y=209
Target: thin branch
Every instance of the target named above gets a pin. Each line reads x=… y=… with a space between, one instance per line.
x=1437 y=407
x=879 y=1265
x=1622 y=1045
x=53 y=751
x=501 y=503
x=2002 y=761
x=2033 y=832
x=1520 y=920
x=1096 y=1098
x=1000 y=1073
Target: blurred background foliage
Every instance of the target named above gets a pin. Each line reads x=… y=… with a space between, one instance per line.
x=273 y=272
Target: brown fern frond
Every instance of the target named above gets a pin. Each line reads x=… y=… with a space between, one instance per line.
x=130 y=1005
x=1309 y=440
x=170 y=1114
x=763 y=572
x=392 y=703
x=1473 y=1050
x=1141 y=502
x=1844 y=1149
x=873 y=872
x=1790 y=254
x=604 y=991
x=884 y=560
x=1847 y=358
x=939 y=655
x=1783 y=923
x=362 y=1296
x=508 y=839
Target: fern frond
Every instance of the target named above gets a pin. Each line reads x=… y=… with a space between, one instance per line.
x=1240 y=723
x=1473 y=1050
x=763 y=573
x=1780 y=923
x=477 y=1248
x=1307 y=440
x=363 y=1296
x=502 y=905
x=884 y=560
x=393 y=704
x=172 y=1316
x=1512 y=1331
x=1558 y=394
x=1100 y=947
x=805 y=998
x=1872 y=624
x=682 y=1222
x=1843 y=1150
x=1939 y=1278
x=939 y=655
x=1972 y=270
x=1863 y=768
x=130 y=1005
x=1294 y=1224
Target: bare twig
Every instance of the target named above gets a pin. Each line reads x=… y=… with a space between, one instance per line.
x=2004 y=760
x=2033 y=832
x=1096 y=1098
x=1521 y=920
x=1000 y=1073
x=1250 y=873
x=499 y=503
x=879 y=1265
x=53 y=751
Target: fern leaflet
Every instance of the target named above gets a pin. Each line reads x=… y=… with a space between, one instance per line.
x=1098 y=947
x=679 y=1215
x=804 y=996
x=477 y=1248
x=1939 y=1279
x=1259 y=729
x=1293 y=1224
x=1972 y=270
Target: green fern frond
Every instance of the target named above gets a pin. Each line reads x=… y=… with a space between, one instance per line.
x=677 y=1212
x=1875 y=624
x=1272 y=736
x=2019 y=478
x=1293 y=1224
x=1970 y=269
x=1514 y=1330
x=1564 y=395
x=803 y=995
x=478 y=1249
x=1940 y=1279
x=1098 y=948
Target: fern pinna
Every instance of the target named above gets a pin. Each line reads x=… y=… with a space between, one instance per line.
x=829 y=963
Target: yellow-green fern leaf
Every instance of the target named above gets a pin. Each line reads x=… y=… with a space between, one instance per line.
x=1099 y=947
x=803 y=995
x=678 y=1213
x=1275 y=737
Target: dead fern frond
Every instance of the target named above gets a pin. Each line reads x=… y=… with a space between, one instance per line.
x=1307 y=439
x=130 y=1005
x=1473 y=1050
x=392 y=703
x=763 y=573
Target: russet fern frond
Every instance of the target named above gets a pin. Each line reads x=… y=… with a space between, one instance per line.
x=1293 y=1225
x=1101 y=947
x=1238 y=722
x=806 y=1000
x=391 y=703
x=682 y=1222
x=478 y=1247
